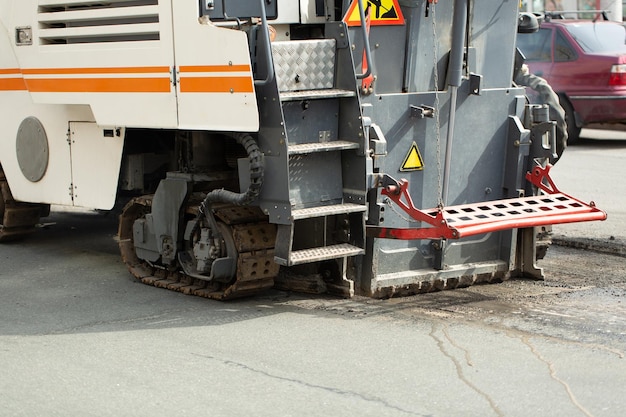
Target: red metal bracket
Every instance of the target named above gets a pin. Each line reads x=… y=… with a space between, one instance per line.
x=454 y=222
x=539 y=175
x=399 y=194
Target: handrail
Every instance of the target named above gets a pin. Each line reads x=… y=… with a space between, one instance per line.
x=268 y=48
x=366 y=43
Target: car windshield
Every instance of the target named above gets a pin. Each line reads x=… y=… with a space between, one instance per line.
x=598 y=37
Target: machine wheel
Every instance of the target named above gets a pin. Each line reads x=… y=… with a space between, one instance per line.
x=17 y=219
x=253 y=239
x=573 y=131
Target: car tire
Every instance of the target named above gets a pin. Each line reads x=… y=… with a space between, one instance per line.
x=573 y=131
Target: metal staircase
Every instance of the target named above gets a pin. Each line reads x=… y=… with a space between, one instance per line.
x=325 y=222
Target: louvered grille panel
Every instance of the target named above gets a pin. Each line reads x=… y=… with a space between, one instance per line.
x=80 y=21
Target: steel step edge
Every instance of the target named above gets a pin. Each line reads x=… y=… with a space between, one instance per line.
x=315 y=94
x=330 y=210
x=320 y=254
x=306 y=148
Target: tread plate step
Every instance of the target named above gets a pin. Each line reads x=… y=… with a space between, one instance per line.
x=455 y=222
x=320 y=254
x=330 y=210
x=315 y=94
x=472 y=219
x=337 y=145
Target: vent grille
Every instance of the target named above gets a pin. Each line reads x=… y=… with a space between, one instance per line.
x=80 y=21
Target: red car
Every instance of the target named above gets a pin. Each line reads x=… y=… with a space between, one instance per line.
x=585 y=63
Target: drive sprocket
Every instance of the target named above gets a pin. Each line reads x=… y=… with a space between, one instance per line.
x=248 y=227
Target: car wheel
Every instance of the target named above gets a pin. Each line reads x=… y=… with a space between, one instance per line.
x=573 y=131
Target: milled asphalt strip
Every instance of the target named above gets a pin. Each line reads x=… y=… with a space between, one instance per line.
x=614 y=246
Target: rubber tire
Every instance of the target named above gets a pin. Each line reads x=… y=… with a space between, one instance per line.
x=573 y=131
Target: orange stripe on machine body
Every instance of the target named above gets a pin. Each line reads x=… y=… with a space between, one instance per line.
x=110 y=84
x=12 y=84
x=14 y=80
x=215 y=68
x=10 y=71
x=45 y=80
x=216 y=79
x=206 y=79
x=109 y=70
x=216 y=84
x=98 y=85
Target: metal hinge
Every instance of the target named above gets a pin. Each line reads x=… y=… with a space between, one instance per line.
x=71 y=191
x=174 y=76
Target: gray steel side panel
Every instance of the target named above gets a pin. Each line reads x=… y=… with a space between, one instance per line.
x=405 y=58
x=491 y=40
x=478 y=157
x=315 y=178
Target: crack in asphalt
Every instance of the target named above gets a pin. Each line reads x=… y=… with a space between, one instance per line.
x=309 y=385
x=553 y=375
x=459 y=367
x=517 y=332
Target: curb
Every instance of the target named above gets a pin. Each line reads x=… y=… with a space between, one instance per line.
x=610 y=246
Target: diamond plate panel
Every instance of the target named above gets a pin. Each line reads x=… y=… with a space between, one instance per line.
x=304 y=65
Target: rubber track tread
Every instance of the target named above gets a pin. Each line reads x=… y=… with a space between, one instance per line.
x=248 y=281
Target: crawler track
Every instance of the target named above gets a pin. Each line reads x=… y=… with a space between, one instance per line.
x=254 y=239
x=18 y=219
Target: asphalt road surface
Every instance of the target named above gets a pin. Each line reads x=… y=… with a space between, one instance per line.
x=80 y=337
x=595 y=170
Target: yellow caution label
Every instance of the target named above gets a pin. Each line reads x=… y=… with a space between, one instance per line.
x=413 y=160
x=381 y=12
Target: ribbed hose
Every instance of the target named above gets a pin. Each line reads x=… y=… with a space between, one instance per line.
x=256 y=176
x=240 y=199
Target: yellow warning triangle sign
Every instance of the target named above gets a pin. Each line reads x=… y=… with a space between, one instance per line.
x=413 y=160
x=382 y=12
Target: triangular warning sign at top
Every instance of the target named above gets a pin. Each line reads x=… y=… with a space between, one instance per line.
x=382 y=12
x=413 y=160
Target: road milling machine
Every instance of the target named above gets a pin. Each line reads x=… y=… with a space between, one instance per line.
x=357 y=147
